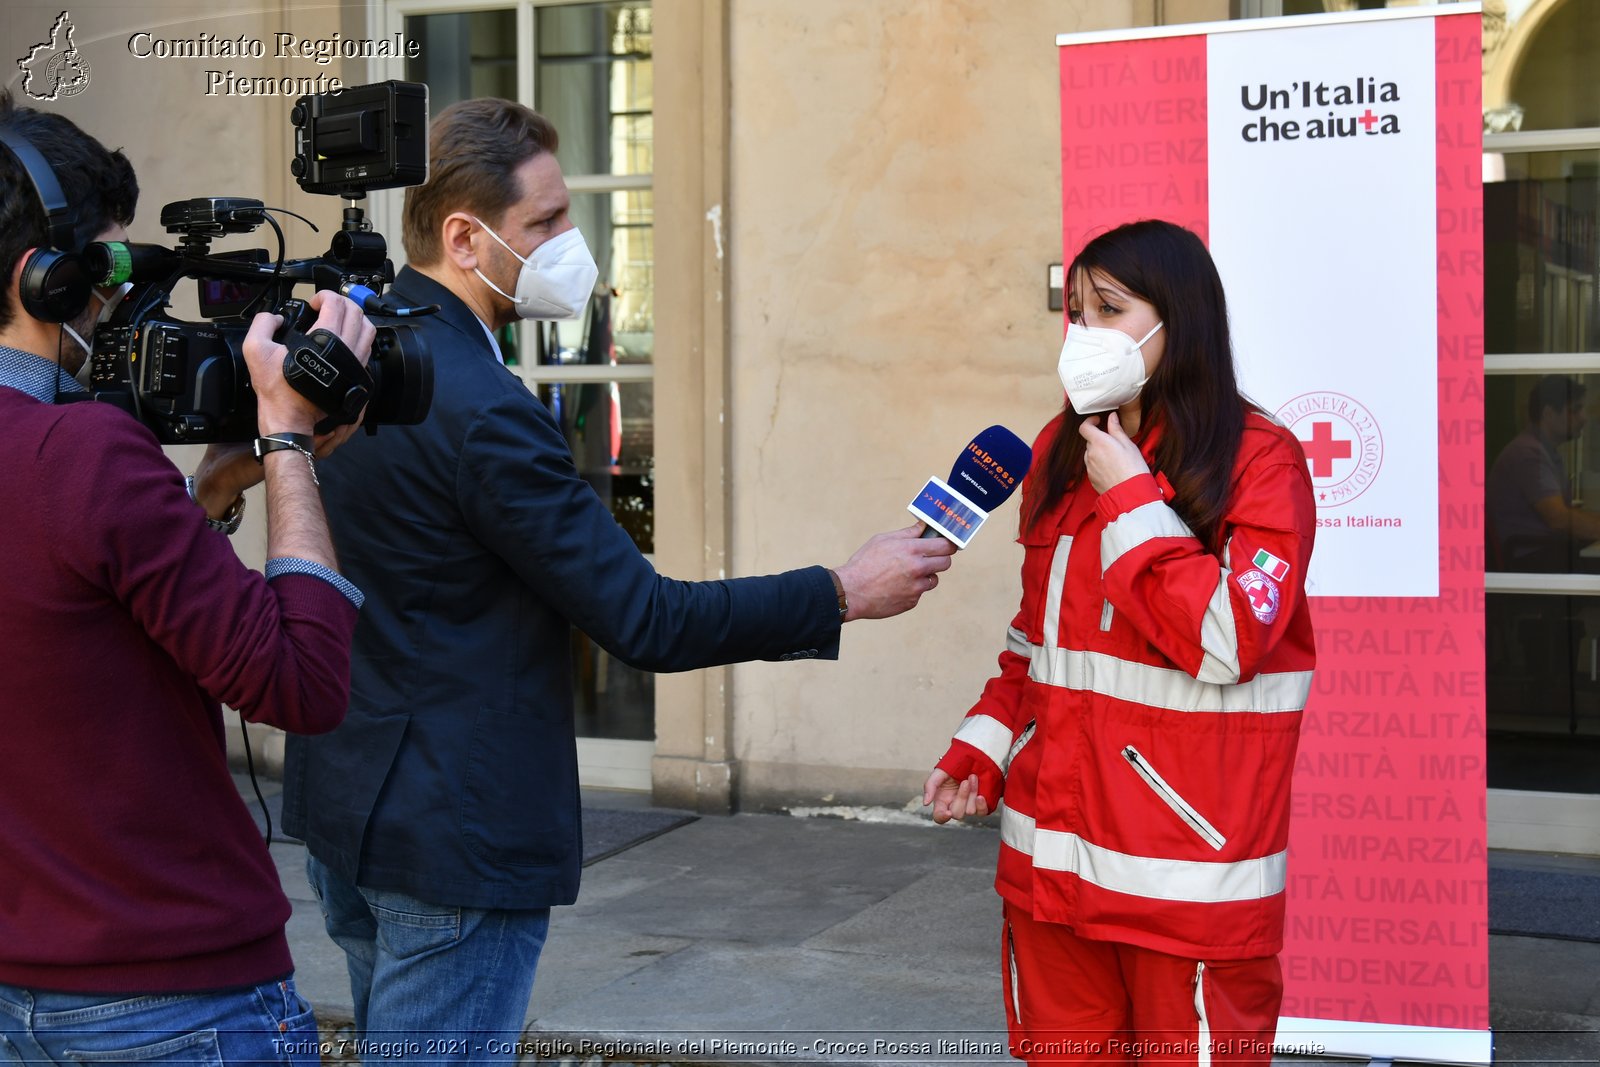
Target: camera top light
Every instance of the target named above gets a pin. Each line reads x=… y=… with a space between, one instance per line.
x=362 y=138
x=213 y=215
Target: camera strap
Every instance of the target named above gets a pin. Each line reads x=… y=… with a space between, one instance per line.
x=322 y=369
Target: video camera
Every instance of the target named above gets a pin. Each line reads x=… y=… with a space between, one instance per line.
x=188 y=381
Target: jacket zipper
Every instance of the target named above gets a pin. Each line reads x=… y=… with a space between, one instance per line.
x=1200 y=1010
x=1105 y=618
x=1016 y=987
x=1173 y=800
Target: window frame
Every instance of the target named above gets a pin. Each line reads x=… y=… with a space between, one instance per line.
x=1527 y=142
x=387 y=17
x=603 y=762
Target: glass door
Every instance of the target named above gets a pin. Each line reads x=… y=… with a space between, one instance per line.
x=588 y=68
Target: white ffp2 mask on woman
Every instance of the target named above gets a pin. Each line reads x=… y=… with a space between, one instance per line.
x=1101 y=368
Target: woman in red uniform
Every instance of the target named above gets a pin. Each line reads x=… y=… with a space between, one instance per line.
x=1142 y=729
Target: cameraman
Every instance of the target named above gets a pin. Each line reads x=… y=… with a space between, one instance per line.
x=140 y=912
x=441 y=819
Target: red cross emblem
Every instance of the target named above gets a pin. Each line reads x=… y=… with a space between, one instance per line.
x=1342 y=442
x=1368 y=119
x=1262 y=592
x=1324 y=448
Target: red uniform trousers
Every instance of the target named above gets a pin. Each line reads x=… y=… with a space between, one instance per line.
x=1072 y=1000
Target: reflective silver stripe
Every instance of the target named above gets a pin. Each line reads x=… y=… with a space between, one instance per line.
x=1017 y=642
x=1021 y=743
x=1219 y=637
x=1133 y=528
x=1105 y=618
x=1173 y=799
x=1166 y=687
x=1204 y=1037
x=1189 y=881
x=986 y=734
x=1016 y=829
x=1052 y=600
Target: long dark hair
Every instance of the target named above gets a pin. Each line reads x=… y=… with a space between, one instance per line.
x=1193 y=394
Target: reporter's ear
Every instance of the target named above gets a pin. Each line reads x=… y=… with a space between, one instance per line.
x=455 y=241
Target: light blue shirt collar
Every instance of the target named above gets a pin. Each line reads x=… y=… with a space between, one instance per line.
x=43 y=379
x=494 y=344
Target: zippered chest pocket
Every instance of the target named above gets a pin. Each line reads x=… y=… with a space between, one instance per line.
x=1173 y=799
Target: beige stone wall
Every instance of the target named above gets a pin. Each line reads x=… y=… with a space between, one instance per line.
x=894 y=203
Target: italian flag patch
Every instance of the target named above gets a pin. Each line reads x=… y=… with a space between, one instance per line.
x=1271 y=565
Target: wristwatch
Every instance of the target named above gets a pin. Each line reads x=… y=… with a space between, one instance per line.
x=838 y=590
x=229 y=523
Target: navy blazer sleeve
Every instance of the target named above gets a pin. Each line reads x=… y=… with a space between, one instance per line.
x=523 y=499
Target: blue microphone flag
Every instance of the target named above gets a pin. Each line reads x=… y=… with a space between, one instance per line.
x=991 y=467
x=984 y=476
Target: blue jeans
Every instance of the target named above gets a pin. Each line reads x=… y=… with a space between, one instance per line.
x=268 y=1023
x=445 y=984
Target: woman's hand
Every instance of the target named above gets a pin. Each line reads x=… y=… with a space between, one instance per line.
x=1110 y=456
x=952 y=799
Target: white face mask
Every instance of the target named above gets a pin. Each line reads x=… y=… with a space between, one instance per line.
x=107 y=306
x=556 y=280
x=1101 y=368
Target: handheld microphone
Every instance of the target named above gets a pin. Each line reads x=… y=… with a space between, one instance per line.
x=984 y=476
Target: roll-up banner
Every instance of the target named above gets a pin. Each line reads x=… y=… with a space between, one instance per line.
x=1333 y=164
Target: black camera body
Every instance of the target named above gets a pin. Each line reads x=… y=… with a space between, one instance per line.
x=188 y=381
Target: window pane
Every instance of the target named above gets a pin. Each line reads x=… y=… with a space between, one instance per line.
x=611 y=699
x=1542 y=514
x=1544 y=692
x=619 y=229
x=610 y=427
x=464 y=56
x=595 y=82
x=1541 y=255
x=1542 y=495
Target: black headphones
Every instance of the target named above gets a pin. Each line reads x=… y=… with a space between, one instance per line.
x=55 y=284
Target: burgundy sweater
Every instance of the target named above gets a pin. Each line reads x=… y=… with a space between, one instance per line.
x=128 y=862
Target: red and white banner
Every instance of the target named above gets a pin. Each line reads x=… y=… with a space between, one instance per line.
x=1333 y=165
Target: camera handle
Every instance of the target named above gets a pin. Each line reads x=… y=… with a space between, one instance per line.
x=321 y=368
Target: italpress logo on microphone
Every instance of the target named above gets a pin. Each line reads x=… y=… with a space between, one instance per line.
x=991 y=466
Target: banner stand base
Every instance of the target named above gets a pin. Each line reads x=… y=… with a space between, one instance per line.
x=1384 y=1041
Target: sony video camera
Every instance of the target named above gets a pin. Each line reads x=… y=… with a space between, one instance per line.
x=188 y=381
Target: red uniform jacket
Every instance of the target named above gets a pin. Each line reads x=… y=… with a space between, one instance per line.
x=1143 y=725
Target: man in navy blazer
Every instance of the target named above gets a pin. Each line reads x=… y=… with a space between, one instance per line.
x=442 y=818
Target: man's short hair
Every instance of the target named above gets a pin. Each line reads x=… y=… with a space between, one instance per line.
x=98 y=184
x=474 y=149
x=1554 y=391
